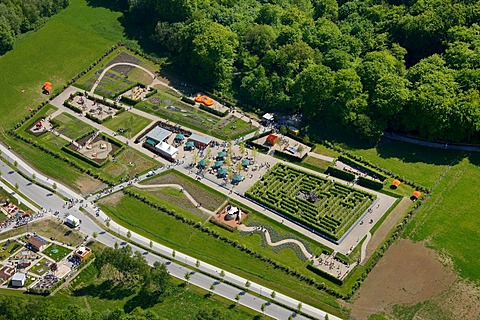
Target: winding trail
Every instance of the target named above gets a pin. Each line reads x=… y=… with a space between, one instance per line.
x=178 y=187
x=307 y=254
x=364 y=247
x=121 y=64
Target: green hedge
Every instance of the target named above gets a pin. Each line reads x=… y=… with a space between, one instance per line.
x=289 y=157
x=369 y=183
x=129 y=101
x=188 y=100
x=213 y=111
x=72 y=107
x=361 y=167
x=325 y=275
x=344 y=175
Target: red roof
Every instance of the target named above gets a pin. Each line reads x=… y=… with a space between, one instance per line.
x=272 y=138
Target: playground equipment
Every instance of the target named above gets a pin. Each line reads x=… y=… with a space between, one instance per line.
x=47 y=87
x=89 y=147
x=205 y=100
x=103 y=146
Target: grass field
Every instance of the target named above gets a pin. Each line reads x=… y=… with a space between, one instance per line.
x=321 y=165
x=160 y=227
x=65 y=46
x=448 y=221
x=71 y=126
x=7 y=250
x=56 y=252
x=211 y=200
x=130 y=123
x=39 y=268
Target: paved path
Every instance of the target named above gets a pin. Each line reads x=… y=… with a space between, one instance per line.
x=178 y=187
x=304 y=250
x=431 y=144
x=228 y=289
x=363 y=253
x=320 y=156
x=119 y=64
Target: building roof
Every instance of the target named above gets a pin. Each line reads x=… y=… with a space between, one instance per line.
x=189 y=144
x=19 y=276
x=198 y=138
x=158 y=134
x=72 y=220
x=272 y=138
x=268 y=116
x=179 y=136
x=36 y=241
x=166 y=149
x=233 y=210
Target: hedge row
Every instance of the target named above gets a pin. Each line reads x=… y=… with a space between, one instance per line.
x=62 y=158
x=369 y=183
x=289 y=157
x=325 y=275
x=188 y=100
x=361 y=167
x=213 y=111
x=237 y=245
x=344 y=175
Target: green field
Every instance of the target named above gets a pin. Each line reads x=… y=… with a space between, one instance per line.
x=318 y=203
x=165 y=229
x=56 y=252
x=39 y=268
x=129 y=123
x=448 y=221
x=65 y=46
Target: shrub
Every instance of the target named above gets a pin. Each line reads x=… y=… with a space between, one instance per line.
x=188 y=100
x=344 y=175
x=369 y=183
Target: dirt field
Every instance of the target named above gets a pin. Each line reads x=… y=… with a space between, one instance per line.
x=408 y=274
x=88 y=185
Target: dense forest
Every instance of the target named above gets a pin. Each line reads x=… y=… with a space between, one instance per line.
x=19 y=16
x=366 y=66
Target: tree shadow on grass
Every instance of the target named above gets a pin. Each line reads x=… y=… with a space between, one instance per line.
x=412 y=153
x=143 y=300
x=105 y=290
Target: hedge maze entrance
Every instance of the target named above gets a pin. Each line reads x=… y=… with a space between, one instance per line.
x=320 y=204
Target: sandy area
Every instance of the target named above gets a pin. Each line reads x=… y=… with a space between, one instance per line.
x=408 y=273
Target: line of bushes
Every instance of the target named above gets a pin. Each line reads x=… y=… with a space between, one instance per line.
x=369 y=183
x=289 y=157
x=237 y=245
x=324 y=274
x=361 y=167
x=213 y=111
x=344 y=175
x=188 y=100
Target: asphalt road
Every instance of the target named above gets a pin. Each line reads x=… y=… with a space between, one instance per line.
x=52 y=203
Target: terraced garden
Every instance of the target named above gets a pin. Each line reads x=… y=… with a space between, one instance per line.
x=325 y=206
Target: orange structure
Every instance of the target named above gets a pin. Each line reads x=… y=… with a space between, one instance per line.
x=205 y=100
x=47 y=86
x=417 y=194
x=396 y=182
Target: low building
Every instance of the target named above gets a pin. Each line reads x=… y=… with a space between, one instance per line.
x=157 y=135
x=6 y=272
x=271 y=140
x=166 y=150
x=199 y=140
x=82 y=253
x=72 y=221
x=24 y=263
x=18 y=279
x=268 y=117
x=36 y=243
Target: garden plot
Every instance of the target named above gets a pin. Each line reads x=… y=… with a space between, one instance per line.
x=320 y=204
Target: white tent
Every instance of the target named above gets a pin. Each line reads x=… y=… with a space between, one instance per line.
x=72 y=221
x=268 y=116
x=167 y=150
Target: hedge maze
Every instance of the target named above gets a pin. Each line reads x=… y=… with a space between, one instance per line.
x=320 y=204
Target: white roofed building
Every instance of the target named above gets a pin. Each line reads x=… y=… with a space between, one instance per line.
x=166 y=150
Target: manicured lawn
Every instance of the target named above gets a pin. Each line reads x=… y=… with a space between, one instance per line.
x=71 y=126
x=448 y=221
x=128 y=163
x=40 y=268
x=210 y=199
x=322 y=165
x=321 y=149
x=65 y=46
x=160 y=227
x=419 y=164
x=130 y=123
x=56 y=252
x=7 y=250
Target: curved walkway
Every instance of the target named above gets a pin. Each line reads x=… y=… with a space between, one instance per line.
x=307 y=254
x=363 y=254
x=119 y=64
x=176 y=186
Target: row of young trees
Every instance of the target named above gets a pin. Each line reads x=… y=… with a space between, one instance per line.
x=366 y=66
x=17 y=16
